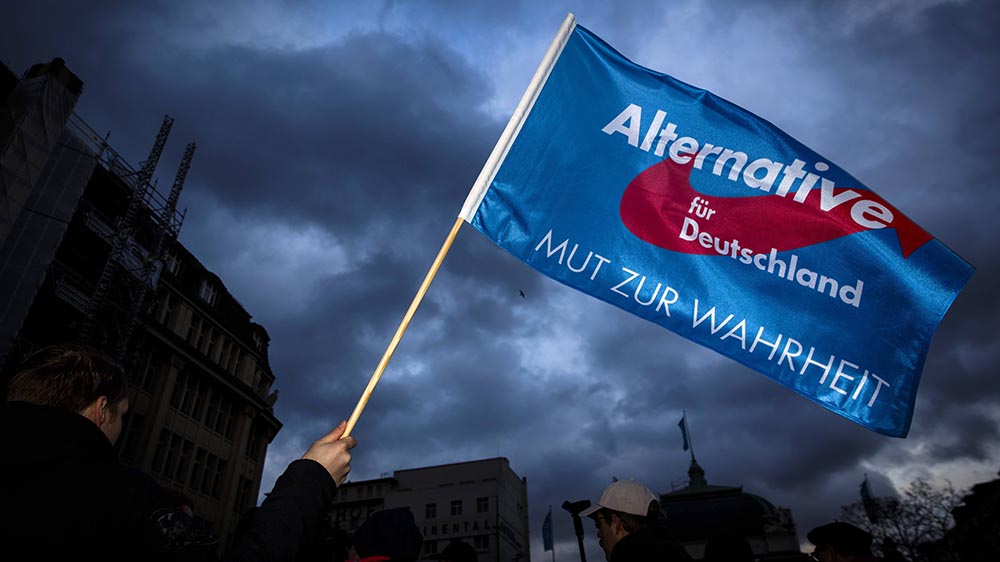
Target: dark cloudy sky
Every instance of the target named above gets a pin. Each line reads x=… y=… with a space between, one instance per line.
x=337 y=142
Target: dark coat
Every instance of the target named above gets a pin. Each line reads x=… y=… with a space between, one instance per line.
x=649 y=544
x=63 y=493
x=289 y=524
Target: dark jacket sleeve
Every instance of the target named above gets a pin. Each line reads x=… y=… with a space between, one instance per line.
x=291 y=518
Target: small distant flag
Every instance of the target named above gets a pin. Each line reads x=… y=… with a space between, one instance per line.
x=547 y=532
x=868 y=502
x=684 y=432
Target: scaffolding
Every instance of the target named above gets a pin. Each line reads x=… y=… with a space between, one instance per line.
x=128 y=254
x=152 y=266
x=77 y=221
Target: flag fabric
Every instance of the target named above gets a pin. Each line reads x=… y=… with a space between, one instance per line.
x=691 y=212
x=684 y=432
x=868 y=502
x=547 y=532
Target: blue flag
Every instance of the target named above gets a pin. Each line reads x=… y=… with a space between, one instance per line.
x=684 y=432
x=691 y=212
x=547 y=532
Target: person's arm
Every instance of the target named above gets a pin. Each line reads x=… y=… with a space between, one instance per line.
x=292 y=516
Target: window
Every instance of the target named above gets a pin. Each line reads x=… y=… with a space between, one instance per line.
x=199 y=401
x=173 y=455
x=481 y=542
x=456 y=507
x=197 y=468
x=234 y=362
x=133 y=429
x=207 y=292
x=223 y=421
x=182 y=466
x=161 y=449
x=194 y=330
x=173 y=263
x=220 y=470
x=230 y=422
x=227 y=351
x=482 y=505
x=212 y=411
x=430 y=511
x=204 y=336
x=206 y=478
x=166 y=310
x=142 y=376
x=190 y=389
x=212 y=341
x=178 y=391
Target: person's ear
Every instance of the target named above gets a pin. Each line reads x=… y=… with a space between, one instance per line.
x=102 y=410
x=96 y=411
x=616 y=524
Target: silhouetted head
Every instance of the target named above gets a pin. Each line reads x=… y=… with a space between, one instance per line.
x=76 y=378
x=392 y=533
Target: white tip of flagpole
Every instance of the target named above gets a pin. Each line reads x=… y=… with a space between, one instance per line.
x=489 y=170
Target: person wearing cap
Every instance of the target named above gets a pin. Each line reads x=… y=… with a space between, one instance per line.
x=841 y=542
x=631 y=525
x=456 y=551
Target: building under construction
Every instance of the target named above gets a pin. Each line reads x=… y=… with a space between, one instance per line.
x=89 y=253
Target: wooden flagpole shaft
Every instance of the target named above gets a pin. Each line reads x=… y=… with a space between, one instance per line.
x=363 y=401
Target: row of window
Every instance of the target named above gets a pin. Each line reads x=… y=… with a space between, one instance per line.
x=482 y=506
x=480 y=542
x=360 y=492
x=213 y=342
x=205 y=402
x=202 y=334
x=207 y=290
x=201 y=471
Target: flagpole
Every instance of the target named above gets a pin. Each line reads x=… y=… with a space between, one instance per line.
x=472 y=202
x=402 y=326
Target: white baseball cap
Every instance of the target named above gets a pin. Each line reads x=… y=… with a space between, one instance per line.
x=627 y=496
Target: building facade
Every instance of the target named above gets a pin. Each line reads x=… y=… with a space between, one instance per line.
x=700 y=512
x=483 y=503
x=89 y=253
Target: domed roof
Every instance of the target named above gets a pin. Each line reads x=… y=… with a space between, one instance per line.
x=701 y=510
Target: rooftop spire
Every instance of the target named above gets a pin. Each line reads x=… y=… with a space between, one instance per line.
x=696 y=474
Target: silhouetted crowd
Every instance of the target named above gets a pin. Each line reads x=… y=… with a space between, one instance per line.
x=64 y=494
